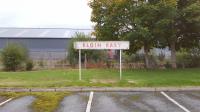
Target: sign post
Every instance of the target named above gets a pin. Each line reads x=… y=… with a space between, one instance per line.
x=79 y=64
x=102 y=45
x=120 y=63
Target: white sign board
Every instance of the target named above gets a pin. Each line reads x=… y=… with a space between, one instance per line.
x=98 y=45
x=90 y=45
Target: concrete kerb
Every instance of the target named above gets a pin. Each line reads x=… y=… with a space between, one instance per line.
x=101 y=89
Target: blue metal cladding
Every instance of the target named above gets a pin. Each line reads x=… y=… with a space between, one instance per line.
x=3 y=42
x=38 y=44
x=41 y=48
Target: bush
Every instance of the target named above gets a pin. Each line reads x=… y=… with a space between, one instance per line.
x=188 y=58
x=134 y=58
x=168 y=65
x=29 y=65
x=182 y=59
x=153 y=61
x=161 y=57
x=13 y=57
x=41 y=63
x=194 y=56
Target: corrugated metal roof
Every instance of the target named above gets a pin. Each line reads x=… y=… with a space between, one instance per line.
x=41 y=32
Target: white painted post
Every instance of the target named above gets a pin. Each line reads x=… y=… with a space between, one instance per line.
x=85 y=61
x=120 y=63
x=79 y=64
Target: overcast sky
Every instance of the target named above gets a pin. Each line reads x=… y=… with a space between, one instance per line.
x=45 y=13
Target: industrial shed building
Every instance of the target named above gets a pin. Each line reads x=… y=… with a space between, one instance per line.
x=42 y=43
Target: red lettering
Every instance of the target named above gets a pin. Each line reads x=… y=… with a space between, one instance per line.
x=98 y=45
x=107 y=45
x=91 y=44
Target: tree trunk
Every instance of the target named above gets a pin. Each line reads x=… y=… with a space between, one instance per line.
x=173 y=54
x=146 y=57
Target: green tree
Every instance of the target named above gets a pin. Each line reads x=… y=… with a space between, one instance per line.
x=125 y=20
x=166 y=29
x=158 y=23
x=73 y=53
x=13 y=56
x=178 y=26
x=110 y=17
x=142 y=36
x=189 y=24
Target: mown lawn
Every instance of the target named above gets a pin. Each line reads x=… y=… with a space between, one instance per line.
x=101 y=78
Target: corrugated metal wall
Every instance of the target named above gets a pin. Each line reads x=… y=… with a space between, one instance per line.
x=46 y=48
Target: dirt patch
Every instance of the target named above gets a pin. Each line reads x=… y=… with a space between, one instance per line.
x=104 y=81
x=132 y=82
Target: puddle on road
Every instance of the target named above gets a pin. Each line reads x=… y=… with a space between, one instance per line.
x=74 y=103
x=18 y=105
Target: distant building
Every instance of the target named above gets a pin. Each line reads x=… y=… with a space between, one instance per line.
x=43 y=43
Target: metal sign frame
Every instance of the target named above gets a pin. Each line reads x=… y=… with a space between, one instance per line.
x=102 y=45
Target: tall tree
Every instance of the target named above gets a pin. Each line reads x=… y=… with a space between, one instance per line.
x=158 y=23
x=166 y=29
x=178 y=25
x=189 y=23
x=125 y=19
x=142 y=36
x=110 y=17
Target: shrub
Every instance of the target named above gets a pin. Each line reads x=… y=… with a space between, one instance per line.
x=13 y=56
x=161 y=57
x=29 y=65
x=168 y=65
x=153 y=61
x=182 y=59
x=188 y=58
x=41 y=63
x=194 y=56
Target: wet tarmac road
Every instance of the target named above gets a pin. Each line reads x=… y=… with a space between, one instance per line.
x=74 y=103
x=132 y=102
x=18 y=105
x=191 y=100
x=117 y=102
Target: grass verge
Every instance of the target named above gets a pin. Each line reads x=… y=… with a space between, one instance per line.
x=101 y=78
